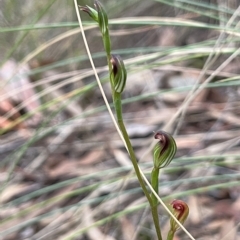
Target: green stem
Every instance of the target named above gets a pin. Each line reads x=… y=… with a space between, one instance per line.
x=118 y=108
x=154 y=183
x=170 y=235
x=106 y=39
x=154 y=207
x=155 y=217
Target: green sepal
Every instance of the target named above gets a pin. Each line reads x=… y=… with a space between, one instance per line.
x=102 y=17
x=119 y=74
x=103 y=25
x=91 y=12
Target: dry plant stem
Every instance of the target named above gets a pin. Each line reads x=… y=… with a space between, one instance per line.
x=118 y=108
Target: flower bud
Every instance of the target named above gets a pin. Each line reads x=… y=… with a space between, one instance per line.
x=102 y=17
x=103 y=25
x=118 y=74
x=180 y=210
x=99 y=15
x=91 y=12
x=164 y=150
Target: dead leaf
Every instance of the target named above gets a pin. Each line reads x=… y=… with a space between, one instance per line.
x=195 y=213
x=121 y=157
x=94 y=232
x=13 y=190
x=128 y=229
x=228 y=230
x=92 y=157
x=16 y=88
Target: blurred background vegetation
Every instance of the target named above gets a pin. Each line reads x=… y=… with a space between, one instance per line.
x=64 y=171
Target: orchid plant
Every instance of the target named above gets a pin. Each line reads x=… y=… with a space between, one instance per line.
x=165 y=148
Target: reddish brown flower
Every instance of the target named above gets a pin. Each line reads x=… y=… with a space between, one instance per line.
x=180 y=210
